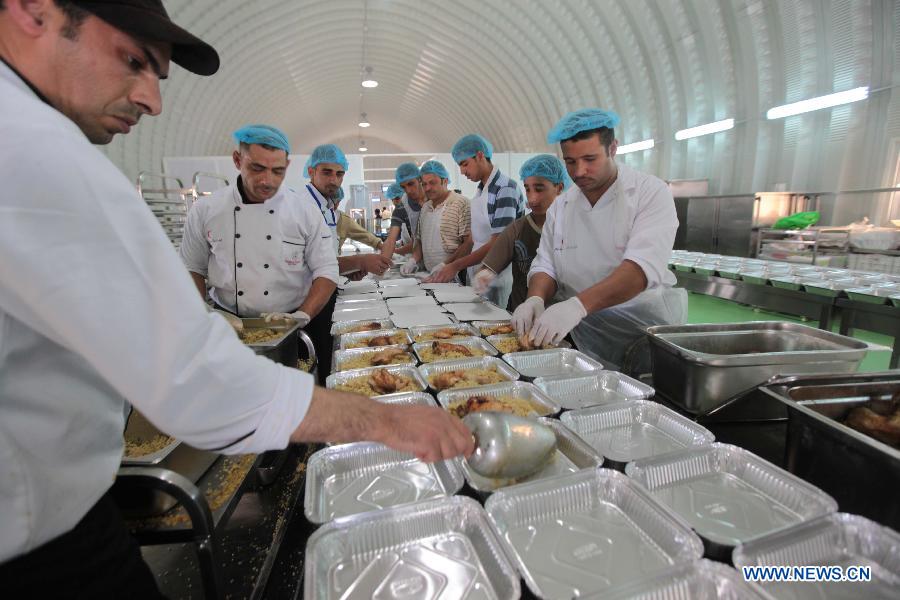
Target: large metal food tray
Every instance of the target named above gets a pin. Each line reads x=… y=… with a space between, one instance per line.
x=477 y=311
x=517 y=389
x=839 y=539
x=436 y=549
x=464 y=330
x=590 y=389
x=470 y=343
x=546 y=363
x=500 y=337
x=341 y=357
x=283 y=349
x=353 y=478
x=862 y=473
x=701 y=580
x=728 y=495
x=485 y=362
x=588 y=532
x=362 y=337
x=413 y=398
x=335 y=379
x=346 y=326
x=699 y=367
x=634 y=430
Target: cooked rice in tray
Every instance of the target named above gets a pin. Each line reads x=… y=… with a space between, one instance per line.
x=392 y=356
x=373 y=326
x=379 y=340
x=447 y=351
x=512 y=344
x=507 y=404
x=259 y=336
x=138 y=447
x=466 y=378
x=447 y=333
x=498 y=329
x=378 y=383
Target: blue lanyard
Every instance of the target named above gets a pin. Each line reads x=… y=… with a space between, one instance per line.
x=331 y=210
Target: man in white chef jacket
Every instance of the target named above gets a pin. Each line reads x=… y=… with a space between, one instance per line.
x=97 y=309
x=260 y=247
x=604 y=252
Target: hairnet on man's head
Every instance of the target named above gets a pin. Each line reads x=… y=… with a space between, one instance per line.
x=577 y=121
x=544 y=165
x=405 y=172
x=327 y=153
x=263 y=135
x=470 y=145
x=394 y=191
x=435 y=168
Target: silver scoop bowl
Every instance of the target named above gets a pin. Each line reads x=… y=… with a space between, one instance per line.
x=508 y=446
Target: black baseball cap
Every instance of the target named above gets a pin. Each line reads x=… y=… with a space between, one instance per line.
x=149 y=20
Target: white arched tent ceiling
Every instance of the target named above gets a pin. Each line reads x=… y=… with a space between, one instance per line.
x=509 y=69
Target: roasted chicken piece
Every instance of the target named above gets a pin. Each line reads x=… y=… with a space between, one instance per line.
x=443 y=334
x=443 y=381
x=472 y=404
x=881 y=427
x=367 y=327
x=386 y=357
x=380 y=340
x=508 y=328
x=385 y=382
x=486 y=378
x=446 y=348
x=525 y=343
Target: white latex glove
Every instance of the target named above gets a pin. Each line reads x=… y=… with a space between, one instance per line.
x=557 y=321
x=233 y=320
x=526 y=313
x=409 y=267
x=299 y=317
x=483 y=280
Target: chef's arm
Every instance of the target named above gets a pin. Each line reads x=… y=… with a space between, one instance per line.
x=417 y=251
x=543 y=286
x=200 y=282
x=389 y=248
x=624 y=283
x=475 y=258
x=319 y=293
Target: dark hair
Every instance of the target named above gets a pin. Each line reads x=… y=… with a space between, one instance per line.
x=244 y=146
x=607 y=136
x=75 y=16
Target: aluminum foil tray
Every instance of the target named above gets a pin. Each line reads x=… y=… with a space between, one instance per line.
x=544 y=363
x=362 y=337
x=402 y=291
x=464 y=330
x=374 y=295
x=485 y=326
x=786 y=282
x=828 y=288
x=485 y=362
x=335 y=379
x=435 y=549
x=477 y=311
x=755 y=277
x=728 y=495
x=360 y=314
x=517 y=389
x=358 y=287
x=591 y=389
x=572 y=454
x=471 y=343
x=401 y=305
x=347 y=326
x=459 y=294
x=403 y=281
x=701 y=580
x=415 y=316
x=705 y=268
x=838 y=539
x=871 y=295
x=588 y=532
x=634 y=430
x=440 y=286
x=342 y=357
x=414 y=398
x=494 y=340
x=349 y=479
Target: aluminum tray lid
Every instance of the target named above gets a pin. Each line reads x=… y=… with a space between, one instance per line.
x=401 y=305
x=335 y=379
x=838 y=539
x=413 y=316
x=635 y=429
x=414 y=551
x=485 y=362
x=700 y=580
x=343 y=356
x=360 y=314
x=471 y=343
x=581 y=391
x=346 y=326
x=477 y=311
x=728 y=495
x=402 y=281
x=358 y=287
x=402 y=291
x=353 y=478
x=459 y=294
x=463 y=328
x=557 y=361
x=517 y=389
x=348 y=339
x=588 y=532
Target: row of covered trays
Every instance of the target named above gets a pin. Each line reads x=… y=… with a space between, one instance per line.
x=599 y=533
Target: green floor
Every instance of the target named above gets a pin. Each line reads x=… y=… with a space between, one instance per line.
x=708 y=309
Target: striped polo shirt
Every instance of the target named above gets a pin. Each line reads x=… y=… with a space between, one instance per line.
x=505 y=202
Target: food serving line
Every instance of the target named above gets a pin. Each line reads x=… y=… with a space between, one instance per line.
x=638 y=498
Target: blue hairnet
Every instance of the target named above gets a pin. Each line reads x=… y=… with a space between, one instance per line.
x=581 y=120
x=262 y=134
x=435 y=168
x=394 y=191
x=544 y=165
x=470 y=145
x=327 y=153
x=405 y=172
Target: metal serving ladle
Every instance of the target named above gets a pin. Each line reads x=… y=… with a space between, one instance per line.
x=508 y=446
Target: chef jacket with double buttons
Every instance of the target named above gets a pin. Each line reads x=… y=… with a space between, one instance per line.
x=259 y=257
x=95 y=309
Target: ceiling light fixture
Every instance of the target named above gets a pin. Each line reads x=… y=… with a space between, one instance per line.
x=369 y=81
x=362 y=146
x=635 y=147
x=363 y=121
x=707 y=128
x=826 y=101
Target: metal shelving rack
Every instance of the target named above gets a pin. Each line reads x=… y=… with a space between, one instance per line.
x=802 y=238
